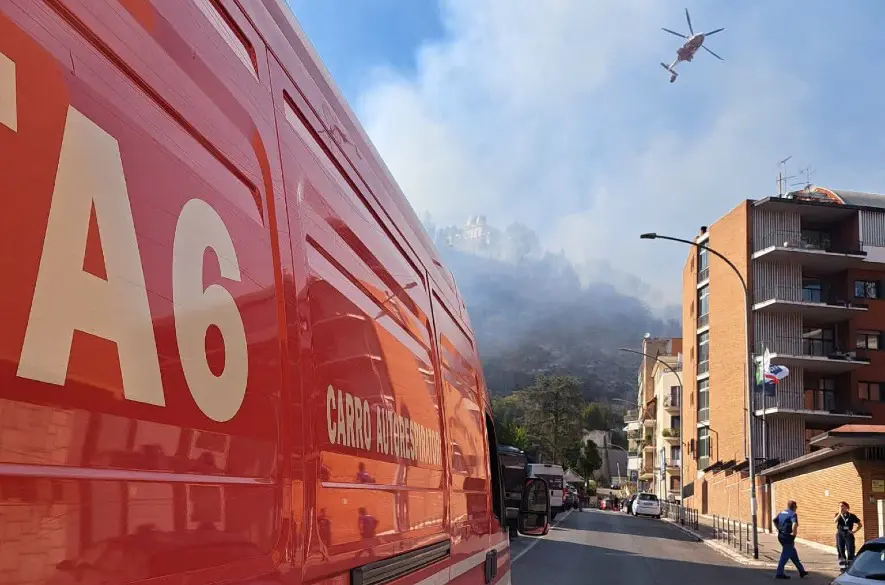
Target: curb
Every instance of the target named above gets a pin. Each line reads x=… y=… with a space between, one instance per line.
x=723 y=549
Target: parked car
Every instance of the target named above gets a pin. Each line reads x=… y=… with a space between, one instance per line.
x=647 y=505
x=868 y=567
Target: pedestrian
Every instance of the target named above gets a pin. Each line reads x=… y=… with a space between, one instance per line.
x=847 y=525
x=787 y=524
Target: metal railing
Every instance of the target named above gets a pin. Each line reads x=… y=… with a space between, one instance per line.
x=735 y=533
x=672 y=432
x=809 y=240
x=804 y=294
x=671 y=401
x=678 y=513
x=812 y=347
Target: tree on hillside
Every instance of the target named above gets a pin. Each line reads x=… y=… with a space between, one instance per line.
x=553 y=413
x=510 y=433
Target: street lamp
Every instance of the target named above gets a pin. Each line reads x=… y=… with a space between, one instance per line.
x=681 y=386
x=750 y=373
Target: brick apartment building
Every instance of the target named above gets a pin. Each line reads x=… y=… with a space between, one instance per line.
x=814 y=262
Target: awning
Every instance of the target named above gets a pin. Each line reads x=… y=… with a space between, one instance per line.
x=848 y=436
x=571 y=477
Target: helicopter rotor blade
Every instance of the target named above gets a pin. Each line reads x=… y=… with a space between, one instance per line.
x=688 y=18
x=713 y=32
x=712 y=53
x=673 y=32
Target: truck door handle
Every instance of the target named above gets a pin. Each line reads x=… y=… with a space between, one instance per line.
x=491 y=565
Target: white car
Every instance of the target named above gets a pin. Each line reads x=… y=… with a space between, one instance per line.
x=647 y=505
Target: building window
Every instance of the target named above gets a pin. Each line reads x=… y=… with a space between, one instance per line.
x=823 y=397
x=675 y=453
x=704 y=306
x=869 y=339
x=869 y=391
x=818 y=341
x=704 y=352
x=866 y=289
x=813 y=291
x=816 y=240
x=703 y=264
x=704 y=401
x=703 y=447
x=675 y=422
x=674 y=483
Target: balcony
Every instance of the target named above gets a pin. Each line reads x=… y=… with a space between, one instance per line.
x=671 y=435
x=631 y=415
x=648 y=447
x=811 y=249
x=815 y=305
x=672 y=403
x=814 y=405
x=815 y=355
x=649 y=422
x=674 y=466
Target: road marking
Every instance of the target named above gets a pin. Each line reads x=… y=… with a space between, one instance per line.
x=537 y=540
x=8 y=110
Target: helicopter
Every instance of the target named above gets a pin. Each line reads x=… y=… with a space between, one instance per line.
x=687 y=51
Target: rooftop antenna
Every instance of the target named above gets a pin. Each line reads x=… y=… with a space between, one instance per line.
x=807 y=171
x=782 y=177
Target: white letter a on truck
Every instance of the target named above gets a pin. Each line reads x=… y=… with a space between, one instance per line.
x=67 y=298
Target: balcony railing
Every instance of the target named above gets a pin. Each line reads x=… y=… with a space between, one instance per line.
x=631 y=414
x=703 y=320
x=814 y=347
x=670 y=433
x=805 y=294
x=809 y=240
x=671 y=401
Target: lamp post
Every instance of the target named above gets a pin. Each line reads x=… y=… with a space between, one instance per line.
x=750 y=373
x=681 y=386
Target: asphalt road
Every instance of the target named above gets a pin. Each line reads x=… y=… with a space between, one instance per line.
x=616 y=549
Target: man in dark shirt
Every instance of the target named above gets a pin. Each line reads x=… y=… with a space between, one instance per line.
x=787 y=524
x=847 y=524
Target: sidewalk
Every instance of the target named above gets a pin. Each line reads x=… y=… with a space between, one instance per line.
x=822 y=564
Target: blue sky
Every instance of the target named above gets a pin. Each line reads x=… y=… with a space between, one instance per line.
x=558 y=115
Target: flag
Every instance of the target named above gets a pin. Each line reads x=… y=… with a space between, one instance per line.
x=768 y=376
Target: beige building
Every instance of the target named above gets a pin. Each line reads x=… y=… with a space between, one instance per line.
x=667 y=433
x=643 y=425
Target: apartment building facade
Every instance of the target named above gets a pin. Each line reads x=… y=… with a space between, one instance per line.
x=814 y=264
x=668 y=428
x=644 y=463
